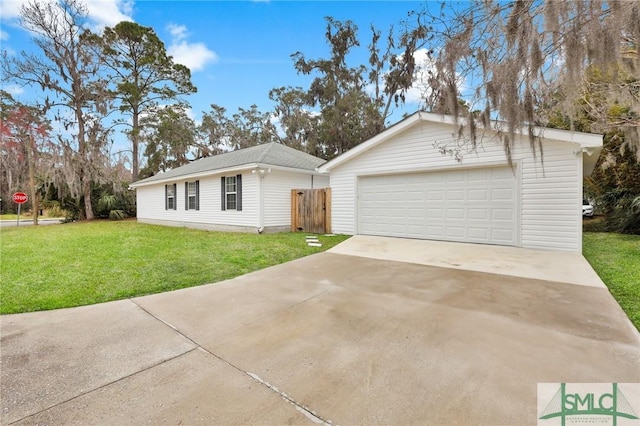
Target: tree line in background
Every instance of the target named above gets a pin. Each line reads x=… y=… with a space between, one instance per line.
x=570 y=65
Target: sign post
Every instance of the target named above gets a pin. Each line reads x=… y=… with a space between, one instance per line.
x=20 y=198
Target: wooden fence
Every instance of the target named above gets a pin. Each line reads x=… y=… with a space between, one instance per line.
x=311 y=210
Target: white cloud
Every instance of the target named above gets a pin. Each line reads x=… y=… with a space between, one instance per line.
x=101 y=12
x=178 y=32
x=194 y=56
x=10 y=9
x=4 y=35
x=13 y=89
x=420 y=87
x=107 y=13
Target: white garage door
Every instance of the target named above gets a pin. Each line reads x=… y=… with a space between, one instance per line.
x=473 y=205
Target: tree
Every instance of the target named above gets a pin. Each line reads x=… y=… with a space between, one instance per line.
x=213 y=132
x=394 y=69
x=25 y=150
x=142 y=75
x=518 y=54
x=69 y=71
x=169 y=135
x=250 y=127
x=297 y=121
x=348 y=114
x=344 y=104
x=614 y=184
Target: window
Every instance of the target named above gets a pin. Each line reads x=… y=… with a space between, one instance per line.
x=231 y=192
x=192 y=195
x=170 y=197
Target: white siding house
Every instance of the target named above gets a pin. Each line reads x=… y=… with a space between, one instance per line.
x=247 y=190
x=406 y=182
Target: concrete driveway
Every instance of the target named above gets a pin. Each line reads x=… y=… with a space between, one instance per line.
x=343 y=337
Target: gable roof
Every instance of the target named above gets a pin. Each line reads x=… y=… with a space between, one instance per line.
x=589 y=143
x=268 y=154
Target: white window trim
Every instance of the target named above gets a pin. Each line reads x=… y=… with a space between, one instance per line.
x=234 y=192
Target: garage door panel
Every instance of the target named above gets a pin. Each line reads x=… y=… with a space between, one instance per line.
x=503 y=235
x=478 y=214
x=435 y=213
x=502 y=194
x=435 y=195
x=454 y=232
x=453 y=179
x=503 y=214
x=455 y=214
x=478 y=195
x=480 y=234
x=455 y=195
x=475 y=205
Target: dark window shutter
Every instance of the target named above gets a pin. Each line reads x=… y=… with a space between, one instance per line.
x=223 y=194
x=197 y=195
x=186 y=195
x=239 y=192
x=166 y=197
x=175 y=196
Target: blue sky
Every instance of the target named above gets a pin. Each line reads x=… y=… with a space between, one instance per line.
x=237 y=50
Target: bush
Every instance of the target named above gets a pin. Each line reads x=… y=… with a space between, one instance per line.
x=624 y=217
x=111 y=206
x=54 y=209
x=117 y=215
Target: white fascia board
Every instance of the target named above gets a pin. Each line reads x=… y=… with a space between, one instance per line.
x=584 y=140
x=290 y=169
x=196 y=175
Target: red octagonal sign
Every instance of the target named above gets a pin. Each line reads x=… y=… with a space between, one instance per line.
x=20 y=197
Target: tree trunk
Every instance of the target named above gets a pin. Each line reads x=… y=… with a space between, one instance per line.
x=35 y=206
x=85 y=176
x=86 y=193
x=134 y=145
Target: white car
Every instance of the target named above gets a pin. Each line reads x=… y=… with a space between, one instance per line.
x=587 y=208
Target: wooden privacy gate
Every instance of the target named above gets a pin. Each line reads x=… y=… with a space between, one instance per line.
x=311 y=210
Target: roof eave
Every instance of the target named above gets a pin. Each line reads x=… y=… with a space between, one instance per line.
x=206 y=173
x=584 y=140
x=313 y=171
x=195 y=175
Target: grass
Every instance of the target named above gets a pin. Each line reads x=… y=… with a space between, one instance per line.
x=23 y=216
x=12 y=216
x=78 y=264
x=616 y=259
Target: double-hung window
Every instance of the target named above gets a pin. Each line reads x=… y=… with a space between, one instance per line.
x=192 y=195
x=231 y=191
x=170 y=197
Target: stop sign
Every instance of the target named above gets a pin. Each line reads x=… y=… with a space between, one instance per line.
x=20 y=197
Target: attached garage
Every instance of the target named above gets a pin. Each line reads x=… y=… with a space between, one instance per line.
x=399 y=184
x=471 y=205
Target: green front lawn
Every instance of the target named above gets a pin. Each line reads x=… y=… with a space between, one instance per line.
x=616 y=259
x=77 y=264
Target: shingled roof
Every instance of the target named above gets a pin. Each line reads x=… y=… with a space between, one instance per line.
x=269 y=154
